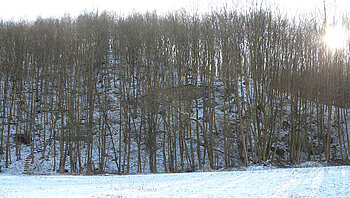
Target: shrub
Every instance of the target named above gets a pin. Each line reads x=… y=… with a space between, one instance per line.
x=23 y=138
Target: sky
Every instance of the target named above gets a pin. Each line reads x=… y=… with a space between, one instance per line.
x=31 y=9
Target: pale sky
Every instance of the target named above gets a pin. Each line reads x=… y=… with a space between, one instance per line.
x=31 y=9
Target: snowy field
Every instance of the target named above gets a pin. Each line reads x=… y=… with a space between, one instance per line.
x=295 y=182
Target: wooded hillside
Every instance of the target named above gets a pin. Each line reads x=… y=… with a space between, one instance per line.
x=180 y=92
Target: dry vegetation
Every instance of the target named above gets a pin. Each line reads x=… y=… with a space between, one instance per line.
x=190 y=91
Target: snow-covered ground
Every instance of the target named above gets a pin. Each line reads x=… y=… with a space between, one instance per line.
x=254 y=182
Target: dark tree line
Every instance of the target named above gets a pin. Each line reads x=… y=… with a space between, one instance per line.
x=174 y=93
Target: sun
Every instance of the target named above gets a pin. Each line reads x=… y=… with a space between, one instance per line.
x=337 y=37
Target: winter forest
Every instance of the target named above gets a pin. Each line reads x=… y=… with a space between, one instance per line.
x=179 y=92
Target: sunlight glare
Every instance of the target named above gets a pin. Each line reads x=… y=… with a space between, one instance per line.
x=336 y=37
